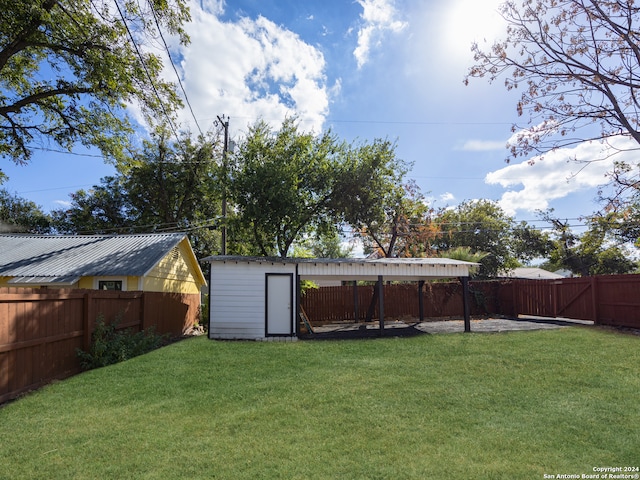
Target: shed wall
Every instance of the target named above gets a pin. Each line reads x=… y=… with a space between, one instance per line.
x=237 y=304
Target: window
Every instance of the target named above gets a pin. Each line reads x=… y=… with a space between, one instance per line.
x=110 y=285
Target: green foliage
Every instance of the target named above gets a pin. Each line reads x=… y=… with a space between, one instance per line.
x=466 y=255
x=481 y=226
x=110 y=345
x=164 y=187
x=593 y=252
x=21 y=215
x=284 y=184
x=68 y=69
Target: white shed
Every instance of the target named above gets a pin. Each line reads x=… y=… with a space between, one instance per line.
x=257 y=298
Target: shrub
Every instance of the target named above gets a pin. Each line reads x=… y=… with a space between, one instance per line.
x=110 y=345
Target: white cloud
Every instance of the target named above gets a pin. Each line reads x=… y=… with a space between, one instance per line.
x=63 y=203
x=215 y=7
x=559 y=173
x=379 y=16
x=249 y=69
x=447 y=197
x=483 y=145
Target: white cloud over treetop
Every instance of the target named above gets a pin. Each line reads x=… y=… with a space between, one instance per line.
x=250 y=69
x=560 y=173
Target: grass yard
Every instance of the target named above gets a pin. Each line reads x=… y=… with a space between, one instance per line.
x=462 y=406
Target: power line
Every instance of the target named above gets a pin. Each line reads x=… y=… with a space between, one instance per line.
x=166 y=47
x=146 y=70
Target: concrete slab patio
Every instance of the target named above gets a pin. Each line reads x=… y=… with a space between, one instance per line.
x=397 y=328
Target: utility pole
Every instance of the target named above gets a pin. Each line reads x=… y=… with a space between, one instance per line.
x=225 y=124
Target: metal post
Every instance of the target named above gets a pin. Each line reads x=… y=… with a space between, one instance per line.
x=356 y=307
x=421 y=299
x=381 y=303
x=465 y=303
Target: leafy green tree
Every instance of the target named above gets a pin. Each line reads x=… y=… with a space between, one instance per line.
x=69 y=67
x=529 y=243
x=591 y=253
x=481 y=226
x=167 y=187
x=466 y=255
x=285 y=184
x=101 y=210
x=19 y=215
x=404 y=225
x=623 y=217
x=327 y=245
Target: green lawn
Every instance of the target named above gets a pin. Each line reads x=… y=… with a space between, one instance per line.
x=463 y=406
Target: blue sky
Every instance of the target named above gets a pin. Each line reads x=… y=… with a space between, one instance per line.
x=366 y=69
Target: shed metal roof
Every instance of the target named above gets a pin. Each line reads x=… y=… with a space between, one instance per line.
x=59 y=258
x=364 y=268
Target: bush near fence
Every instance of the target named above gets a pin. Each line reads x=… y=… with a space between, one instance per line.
x=40 y=329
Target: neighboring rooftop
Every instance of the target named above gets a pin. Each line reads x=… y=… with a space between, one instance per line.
x=65 y=257
x=532 y=273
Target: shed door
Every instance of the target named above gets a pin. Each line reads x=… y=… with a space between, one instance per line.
x=279 y=304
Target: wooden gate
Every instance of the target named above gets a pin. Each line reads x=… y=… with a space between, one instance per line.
x=569 y=298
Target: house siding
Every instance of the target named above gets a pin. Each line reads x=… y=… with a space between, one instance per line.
x=238 y=298
x=174 y=274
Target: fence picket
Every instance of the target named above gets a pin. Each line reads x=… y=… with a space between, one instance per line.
x=41 y=329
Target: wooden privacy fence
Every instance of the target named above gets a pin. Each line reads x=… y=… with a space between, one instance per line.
x=606 y=300
x=40 y=329
x=440 y=300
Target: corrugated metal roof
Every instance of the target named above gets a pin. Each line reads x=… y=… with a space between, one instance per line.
x=61 y=281
x=83 y=255
x=365 y=261
x=362 y=268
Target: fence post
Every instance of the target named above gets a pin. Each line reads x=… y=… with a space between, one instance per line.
x=87 y=322
x=594 y=298
x=381 y=303
x=421 y=300
x=356 y=309
x=465 y=303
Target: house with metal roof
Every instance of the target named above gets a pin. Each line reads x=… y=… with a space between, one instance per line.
x=259 y=298
x=163 y=262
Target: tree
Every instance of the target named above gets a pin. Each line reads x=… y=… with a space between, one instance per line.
x=167 y=187
x=101 y=210
x=578 y=65
x=591 y=253
x=387 y=212
x=20 y=215
x=68 y=69
x=329 y=245
x=403 y=227
x=466 y=255
x=480 y=226
x=284 y=184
